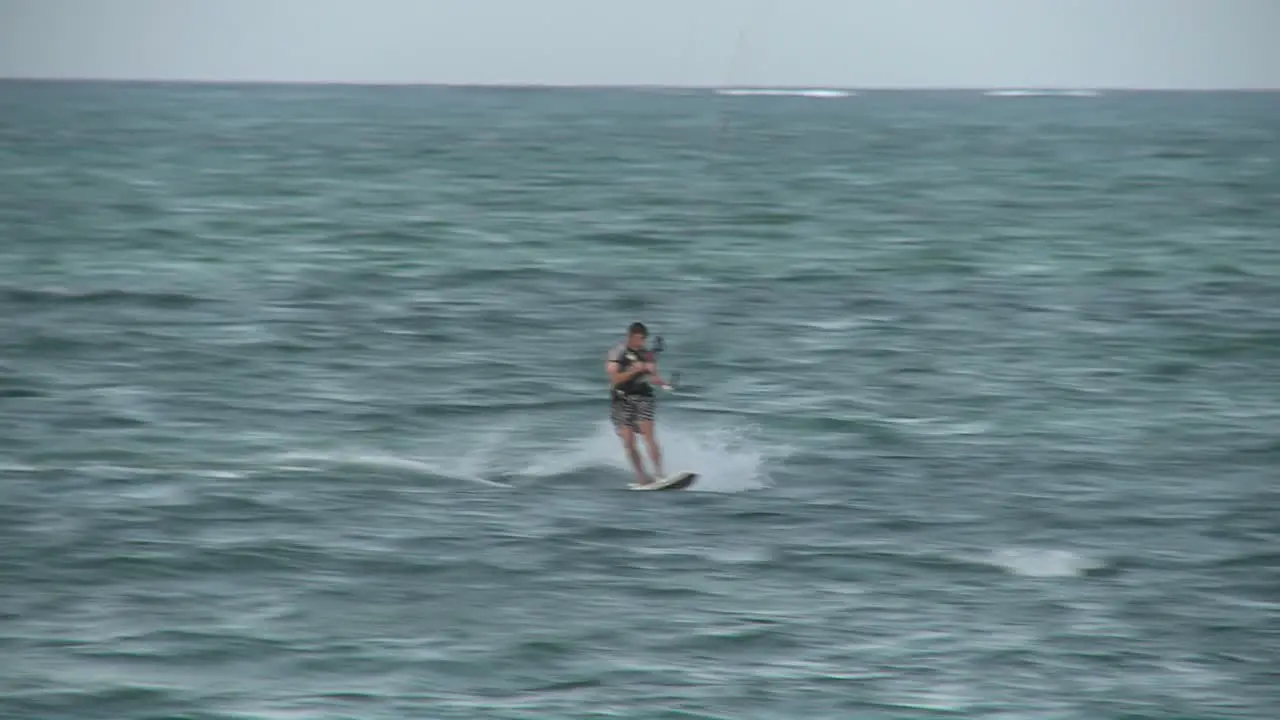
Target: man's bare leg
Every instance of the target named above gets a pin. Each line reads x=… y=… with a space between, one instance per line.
x=629 y=442
x=655 y=450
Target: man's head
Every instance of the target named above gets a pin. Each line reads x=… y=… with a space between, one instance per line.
x=636 y=335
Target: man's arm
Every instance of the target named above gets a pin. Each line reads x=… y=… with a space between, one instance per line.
x=615 y=377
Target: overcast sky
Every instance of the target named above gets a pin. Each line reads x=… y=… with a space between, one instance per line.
x=841 y=43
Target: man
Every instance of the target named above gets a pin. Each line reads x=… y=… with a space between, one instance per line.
x=630 y=366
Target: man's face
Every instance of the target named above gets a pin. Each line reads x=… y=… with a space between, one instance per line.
x=636 y=340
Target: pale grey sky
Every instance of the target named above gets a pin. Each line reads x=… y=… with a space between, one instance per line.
x=842 y=43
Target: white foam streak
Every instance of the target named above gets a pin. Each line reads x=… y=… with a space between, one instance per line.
x=1032 y=562
x=727 y=459
x=468 y=468
x=1041 y=93
x=782 y=92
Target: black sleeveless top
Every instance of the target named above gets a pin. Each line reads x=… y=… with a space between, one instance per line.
x=626 y=357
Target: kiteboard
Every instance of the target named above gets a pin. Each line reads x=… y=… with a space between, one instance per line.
x=674 y=481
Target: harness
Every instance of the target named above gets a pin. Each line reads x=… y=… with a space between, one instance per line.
x=636 y=386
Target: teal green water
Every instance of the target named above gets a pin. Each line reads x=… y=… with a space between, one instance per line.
x=302 y=408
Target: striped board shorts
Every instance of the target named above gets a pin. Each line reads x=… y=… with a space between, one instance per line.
x=630 y=411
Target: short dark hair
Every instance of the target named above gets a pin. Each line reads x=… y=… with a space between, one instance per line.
x=638 y=328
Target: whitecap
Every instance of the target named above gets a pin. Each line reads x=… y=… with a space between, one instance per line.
x=1033 y=562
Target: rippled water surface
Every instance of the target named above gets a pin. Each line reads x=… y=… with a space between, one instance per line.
x=302 y=409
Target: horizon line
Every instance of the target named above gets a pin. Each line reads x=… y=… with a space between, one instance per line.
x=627 y=86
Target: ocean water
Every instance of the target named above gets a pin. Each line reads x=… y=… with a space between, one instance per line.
x=303 y=412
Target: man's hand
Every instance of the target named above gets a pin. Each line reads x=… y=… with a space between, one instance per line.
x=663 y=382
x=620 y=376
